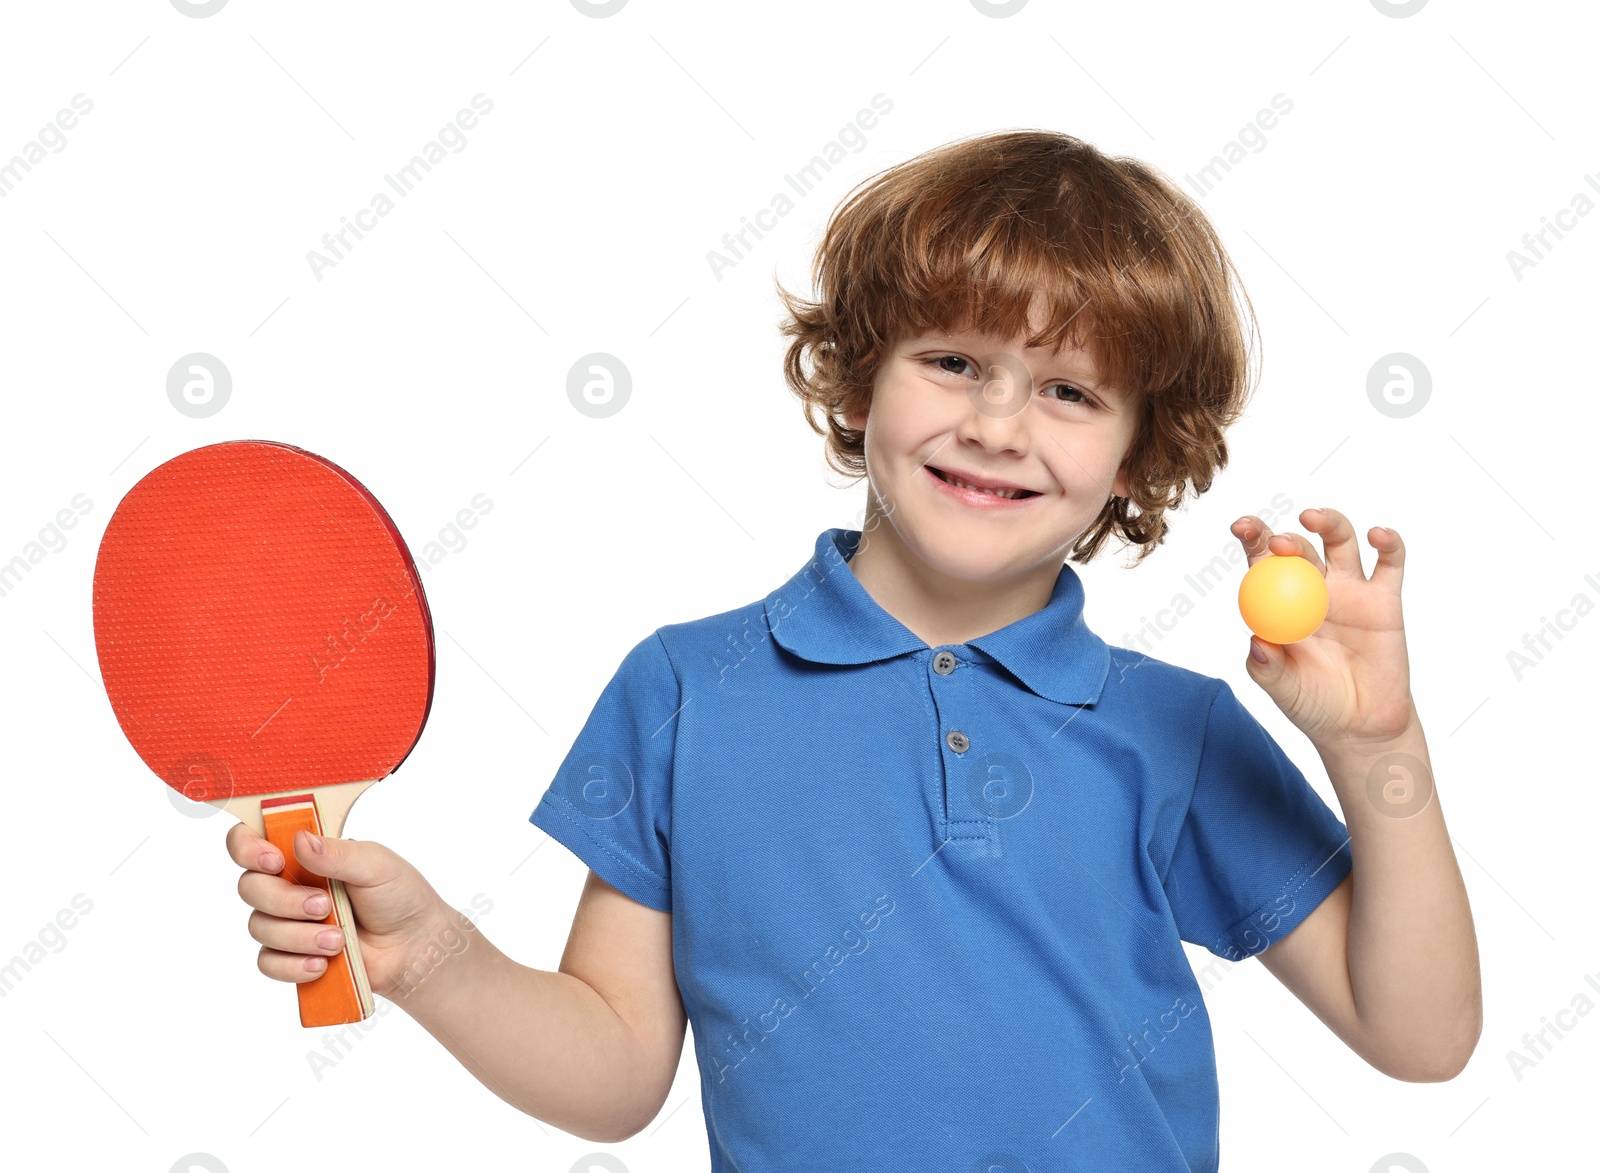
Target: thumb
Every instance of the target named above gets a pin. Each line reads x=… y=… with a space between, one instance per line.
x=350 y=860
x=1266 y=664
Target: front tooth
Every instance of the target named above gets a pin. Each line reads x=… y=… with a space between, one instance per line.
x=1007 y=494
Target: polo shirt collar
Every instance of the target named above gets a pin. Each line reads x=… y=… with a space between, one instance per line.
x=824 y=614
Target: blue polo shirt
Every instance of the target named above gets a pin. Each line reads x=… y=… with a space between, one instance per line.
x=927 y=901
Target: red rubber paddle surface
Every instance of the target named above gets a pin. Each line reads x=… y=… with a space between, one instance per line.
x=260 y=625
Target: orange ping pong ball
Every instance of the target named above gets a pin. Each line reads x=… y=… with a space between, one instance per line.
x=1283 y=598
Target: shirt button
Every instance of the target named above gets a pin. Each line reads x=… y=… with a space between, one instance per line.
x=944 y=663
x=957 y=740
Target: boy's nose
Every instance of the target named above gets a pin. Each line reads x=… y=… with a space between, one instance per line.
x=997 y=409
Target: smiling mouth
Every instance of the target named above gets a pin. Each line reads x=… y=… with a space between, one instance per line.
x=1008 y=494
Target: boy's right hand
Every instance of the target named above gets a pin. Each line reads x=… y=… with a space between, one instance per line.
x=397 y=911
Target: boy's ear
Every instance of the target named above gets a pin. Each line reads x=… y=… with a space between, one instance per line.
x=856 y=419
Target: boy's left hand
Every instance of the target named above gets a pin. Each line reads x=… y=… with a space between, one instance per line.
x=1347 y=686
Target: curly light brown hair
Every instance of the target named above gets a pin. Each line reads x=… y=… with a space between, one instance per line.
x=969 y=235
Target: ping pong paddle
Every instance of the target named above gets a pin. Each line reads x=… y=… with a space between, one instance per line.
x=266 y=647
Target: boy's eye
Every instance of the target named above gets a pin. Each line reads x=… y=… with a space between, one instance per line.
x=938 y=361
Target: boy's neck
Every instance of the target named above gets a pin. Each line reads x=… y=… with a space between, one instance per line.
x=935 y=607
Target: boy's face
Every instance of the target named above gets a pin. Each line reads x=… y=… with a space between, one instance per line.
x=984 y=406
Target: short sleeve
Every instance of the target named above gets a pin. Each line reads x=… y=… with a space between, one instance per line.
x=1258 y=849
x=610 y=802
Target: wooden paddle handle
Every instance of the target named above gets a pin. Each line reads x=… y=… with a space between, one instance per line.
x=340 y=993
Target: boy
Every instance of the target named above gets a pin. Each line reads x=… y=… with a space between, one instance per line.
x=911 y=846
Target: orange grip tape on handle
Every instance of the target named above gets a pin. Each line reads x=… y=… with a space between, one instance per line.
x=340 y=994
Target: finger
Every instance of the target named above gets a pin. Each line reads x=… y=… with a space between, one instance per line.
x=1391 y=558
x=249 y=850
x=1292 y=544
x=289 y=967
x=351 y=860
x=276 y=896
x=1253 y=535
x=1338 y=540
x=296 y=936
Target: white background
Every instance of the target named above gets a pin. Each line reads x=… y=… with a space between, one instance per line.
x=433 y=359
